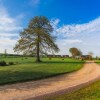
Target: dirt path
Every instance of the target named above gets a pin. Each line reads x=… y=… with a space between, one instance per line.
x=35 y=90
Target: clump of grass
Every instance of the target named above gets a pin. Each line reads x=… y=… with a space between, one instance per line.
x=3 y=63
x=11 y=63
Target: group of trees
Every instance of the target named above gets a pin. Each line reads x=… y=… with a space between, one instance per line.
x=36 y=39
x=75 y=52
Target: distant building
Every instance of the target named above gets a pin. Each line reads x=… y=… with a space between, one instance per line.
x=65 y=56
x=58 y=56
x=86 y=57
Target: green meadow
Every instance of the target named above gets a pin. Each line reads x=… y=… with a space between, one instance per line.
x=26 y=69
x=92 y=92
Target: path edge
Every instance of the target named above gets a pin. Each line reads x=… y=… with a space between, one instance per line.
x=67 y=90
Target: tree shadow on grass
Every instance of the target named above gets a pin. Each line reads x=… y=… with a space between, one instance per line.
x=18 y=77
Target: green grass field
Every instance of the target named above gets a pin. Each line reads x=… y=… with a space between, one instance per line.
x=91 y=92
x=97 y=61
x=27 y=69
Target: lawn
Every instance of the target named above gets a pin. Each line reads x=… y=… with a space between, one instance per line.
x=26 y=69
x=91 y=92
x=97 y=61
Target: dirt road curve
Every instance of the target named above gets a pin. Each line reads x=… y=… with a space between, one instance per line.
x=35 y=90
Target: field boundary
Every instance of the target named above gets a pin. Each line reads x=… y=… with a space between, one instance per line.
x=68 y=90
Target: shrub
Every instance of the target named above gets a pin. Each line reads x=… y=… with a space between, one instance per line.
x=3 y=63
x=11 y=63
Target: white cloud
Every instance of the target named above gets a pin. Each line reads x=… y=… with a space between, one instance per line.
x=73 y=41
x=76 y=29
x=84 y=36
x=7 y=41
x=9 y=30
x=34 y=3
x=6 y=22
x=9 y=35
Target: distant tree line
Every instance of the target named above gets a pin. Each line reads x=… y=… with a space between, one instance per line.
x=76 y=53
x=36 y=40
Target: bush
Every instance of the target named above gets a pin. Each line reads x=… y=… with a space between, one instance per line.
x=11 y=63
x=3 y=63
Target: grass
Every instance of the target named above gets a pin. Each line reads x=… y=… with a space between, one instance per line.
x=91 y=92
x=97 y=61
x=27 y=69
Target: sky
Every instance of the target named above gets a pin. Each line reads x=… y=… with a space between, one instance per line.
x=76 y=23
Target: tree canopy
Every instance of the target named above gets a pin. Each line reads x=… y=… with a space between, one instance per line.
x=75 y=52
x=36 y=39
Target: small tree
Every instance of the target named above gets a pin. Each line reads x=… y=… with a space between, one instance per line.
x=75 y=52
x=36 y=38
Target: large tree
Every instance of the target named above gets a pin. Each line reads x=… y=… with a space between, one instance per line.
x=37 y=39
x=75 y=52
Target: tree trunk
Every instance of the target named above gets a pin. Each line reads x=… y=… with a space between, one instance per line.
x=38 y=50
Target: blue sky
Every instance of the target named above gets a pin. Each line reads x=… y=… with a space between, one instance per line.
x=76 y=23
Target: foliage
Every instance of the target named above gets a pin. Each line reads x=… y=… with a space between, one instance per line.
x=36 y=39
x=3 y=63
x=75 y=52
